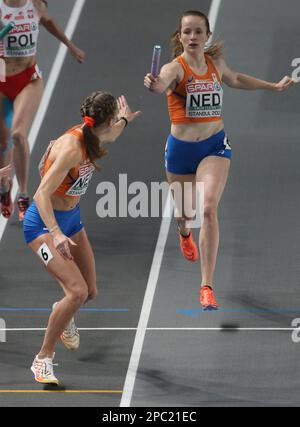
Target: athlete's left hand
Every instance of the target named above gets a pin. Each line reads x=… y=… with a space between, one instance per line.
x=125 y=110
x=77 y=53
x=284 y=84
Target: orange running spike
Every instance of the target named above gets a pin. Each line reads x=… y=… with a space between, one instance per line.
x=207 y=299
x=189 y=248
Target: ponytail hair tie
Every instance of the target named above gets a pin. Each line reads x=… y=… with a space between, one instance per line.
x=89 y=121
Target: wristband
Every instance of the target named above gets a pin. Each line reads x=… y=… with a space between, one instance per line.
x=125 y=120
x=56 y=227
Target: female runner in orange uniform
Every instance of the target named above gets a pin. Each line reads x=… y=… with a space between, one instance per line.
x=198 y=150
x=54 y=218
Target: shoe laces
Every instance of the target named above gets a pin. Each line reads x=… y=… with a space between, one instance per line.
x=70 y=330
x=45 y=365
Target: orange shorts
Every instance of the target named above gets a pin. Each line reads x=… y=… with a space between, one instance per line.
x=16 y=83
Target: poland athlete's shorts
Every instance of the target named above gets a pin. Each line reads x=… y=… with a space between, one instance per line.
x=68 y=221
x=183 y=158
x=16 y=83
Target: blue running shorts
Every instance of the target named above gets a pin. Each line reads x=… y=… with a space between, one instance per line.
x=183 y=158
x=68 y=221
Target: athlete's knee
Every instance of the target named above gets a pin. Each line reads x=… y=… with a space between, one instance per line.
x=19 y=137
x=210 y=210
x=79 y=294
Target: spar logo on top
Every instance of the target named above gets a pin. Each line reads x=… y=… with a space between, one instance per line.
x=24 y=28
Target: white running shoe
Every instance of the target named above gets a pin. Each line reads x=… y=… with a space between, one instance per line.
x=70 y=336
x=43 y=370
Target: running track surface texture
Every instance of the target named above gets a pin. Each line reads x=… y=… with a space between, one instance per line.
x=145 y=341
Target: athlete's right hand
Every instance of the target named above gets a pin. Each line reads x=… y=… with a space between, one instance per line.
x=125 y=110
x=62 y=245
x=6 y=172
x=150 y=81
x=77 y=53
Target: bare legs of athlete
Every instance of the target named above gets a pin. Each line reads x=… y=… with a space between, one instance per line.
x=6 y=204
x=78 y=281
x=213 y=173
x=25 y=107
x=5 y=154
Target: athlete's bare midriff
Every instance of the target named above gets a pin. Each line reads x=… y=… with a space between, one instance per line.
x=61 y=203
x=17 y=65
x=196 y=132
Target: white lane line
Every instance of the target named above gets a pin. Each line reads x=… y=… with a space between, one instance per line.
x=147 y=305
x=220 y=329
x=214 y=13
x=49 y=89
x=154 y=274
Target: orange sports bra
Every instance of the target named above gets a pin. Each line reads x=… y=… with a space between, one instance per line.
x=78 y=178
x=196 y=99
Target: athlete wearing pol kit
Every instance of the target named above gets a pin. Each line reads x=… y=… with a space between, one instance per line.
x=52 y=224
x=198 y=150
x=23 y=86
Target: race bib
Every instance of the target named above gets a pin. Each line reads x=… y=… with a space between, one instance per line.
x=204 y=99
x=21 y=41
x=80 y=186
x=45 y=254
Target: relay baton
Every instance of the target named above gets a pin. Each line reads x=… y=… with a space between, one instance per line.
x=6 y=29
x=155 y=66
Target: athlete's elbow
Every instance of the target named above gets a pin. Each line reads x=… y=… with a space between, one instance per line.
x=40 y=195
x=109 y=139
x=159 y=89
x=37 y=197
x=47 y=22
x=234 y=82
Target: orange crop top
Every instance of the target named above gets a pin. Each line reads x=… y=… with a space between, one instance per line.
x=77 y=181
x=196 y=99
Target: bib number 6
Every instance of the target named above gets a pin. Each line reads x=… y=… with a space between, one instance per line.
x=45 y=254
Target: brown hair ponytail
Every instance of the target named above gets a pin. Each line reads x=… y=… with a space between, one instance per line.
x=214 y=50
x=100 y=106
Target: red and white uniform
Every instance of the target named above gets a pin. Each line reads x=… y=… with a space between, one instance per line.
x=22 y=40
